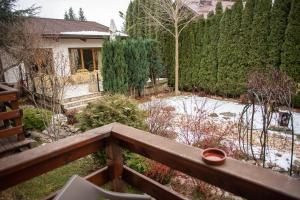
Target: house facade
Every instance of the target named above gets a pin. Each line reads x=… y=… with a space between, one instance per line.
x=72 y=48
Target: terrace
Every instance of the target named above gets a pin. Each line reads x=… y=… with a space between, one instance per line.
x=234 y=176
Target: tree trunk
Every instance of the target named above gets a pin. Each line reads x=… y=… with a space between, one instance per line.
x=176 y=59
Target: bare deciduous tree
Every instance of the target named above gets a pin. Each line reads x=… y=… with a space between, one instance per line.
x=173 y=16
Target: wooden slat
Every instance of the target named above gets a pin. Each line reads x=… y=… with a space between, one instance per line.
x=26 y=165
x=99 y=177
x=10 y=114
x=115 y=165
x=149 y=186
x=234 y=176
x=8 y=97
x=11 y=131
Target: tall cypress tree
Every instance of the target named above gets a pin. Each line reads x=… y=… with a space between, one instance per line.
x=260 y=32
x=224 y=48
x=278 y=23
x=129 y=19
x=234 y=82
x=245 y=39
x=199 y=32
x=138 y=66
x=290 y=56
x=114 y=67
x=203 y=72
x=186 y=56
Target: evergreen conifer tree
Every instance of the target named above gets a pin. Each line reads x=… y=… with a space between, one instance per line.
x=72 y=15
x=66 y=16
x=259 y=36
x=290 y=56
x=136 y=57
x=81 y=15
x=245 y=38
x=129 y=19
x=154 y=60
x=234 y=82
x=278 y=23
x=224 y=48
x=114 y=67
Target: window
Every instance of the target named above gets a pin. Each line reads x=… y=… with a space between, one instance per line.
x=85 y=59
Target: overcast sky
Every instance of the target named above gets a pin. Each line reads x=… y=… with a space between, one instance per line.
x=101 y=11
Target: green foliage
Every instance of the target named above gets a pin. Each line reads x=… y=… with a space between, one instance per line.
x=115 y=108
x=109 y=109
x=218 y=53
x=154 y=60
x=291 y=47
x=224 y=51
x=50 y=182
x=136 y=162
x=245 y=39
x=114 y=68
x=72 y=15
x=136 y=56
x=296 y=100
x=36 y=119
x=259 y=35
x=278 y=23
x=81 y=15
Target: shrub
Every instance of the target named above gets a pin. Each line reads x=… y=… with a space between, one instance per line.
x=36 y=119
x=136 y=162
x=109 y=109
x=160 y=173
x=115 y=108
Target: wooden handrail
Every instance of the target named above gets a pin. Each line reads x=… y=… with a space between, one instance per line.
x=234 y=176
x=9 y=98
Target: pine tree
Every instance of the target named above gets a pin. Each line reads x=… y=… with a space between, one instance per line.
x=72 y=15
x=66 y=16
x=81 y=15
x=290 y=56
x=278 y=23
x=259 y=37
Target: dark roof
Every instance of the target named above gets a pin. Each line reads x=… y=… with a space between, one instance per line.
x=48 y=27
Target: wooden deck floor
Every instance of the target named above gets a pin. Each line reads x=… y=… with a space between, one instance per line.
x=10 y=145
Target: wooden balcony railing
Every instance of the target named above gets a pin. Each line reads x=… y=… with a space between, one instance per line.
x=234 y=176
x=8 y=98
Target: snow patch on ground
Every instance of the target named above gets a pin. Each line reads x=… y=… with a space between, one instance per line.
x=231 y=111
x=226 y=110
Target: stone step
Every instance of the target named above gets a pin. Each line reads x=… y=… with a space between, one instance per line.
x=80 y=102
x=72 y=99
x=76 y=108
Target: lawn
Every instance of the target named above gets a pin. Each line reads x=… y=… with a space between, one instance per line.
x=52 y=181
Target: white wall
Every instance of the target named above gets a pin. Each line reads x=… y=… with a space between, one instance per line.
x=60 y=48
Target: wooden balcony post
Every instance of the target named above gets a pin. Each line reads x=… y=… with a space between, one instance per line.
x=115 y=165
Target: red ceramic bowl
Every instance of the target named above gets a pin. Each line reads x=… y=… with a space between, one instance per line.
x=213 y=156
